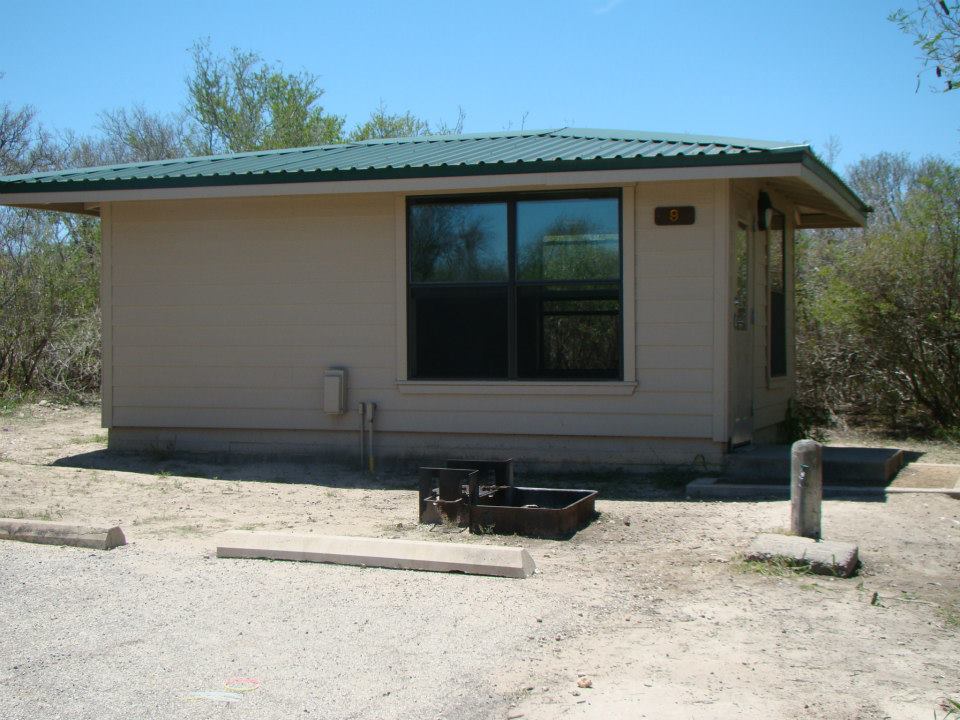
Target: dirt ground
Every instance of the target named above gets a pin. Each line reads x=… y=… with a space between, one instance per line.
x=650 y=603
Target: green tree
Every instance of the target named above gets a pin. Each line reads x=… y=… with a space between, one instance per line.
x=49 y=322
x=241 y=103
x=135 y=135
x=934 y=26
x=905 y=297
x=383 y=124
x=878 y=313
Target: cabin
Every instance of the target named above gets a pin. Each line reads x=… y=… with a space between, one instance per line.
x=566 y=297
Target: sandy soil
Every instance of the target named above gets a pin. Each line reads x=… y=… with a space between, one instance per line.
x=649 y=603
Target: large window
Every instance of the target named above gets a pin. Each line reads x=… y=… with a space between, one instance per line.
x=515 y=287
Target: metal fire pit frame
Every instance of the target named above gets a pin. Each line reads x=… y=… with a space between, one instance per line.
x=442 y=496
x=480 y=494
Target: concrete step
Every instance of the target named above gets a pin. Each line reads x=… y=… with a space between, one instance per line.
x=841 y=465
x=726 y=489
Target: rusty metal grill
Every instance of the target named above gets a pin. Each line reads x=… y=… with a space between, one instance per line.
x=481 y=495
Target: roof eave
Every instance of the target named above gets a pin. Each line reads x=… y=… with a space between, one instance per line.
x=817 y=174
x=392 y=173
x=799 y=163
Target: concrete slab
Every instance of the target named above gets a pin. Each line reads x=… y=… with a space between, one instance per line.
x=841 y=465
x=724 y=489
x=949 y=492
x=825 y=557
x=55 y=533
x=501 y=561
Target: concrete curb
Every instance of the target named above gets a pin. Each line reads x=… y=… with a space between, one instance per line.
x=500 y=561
x=713 y=489
x=54 y=533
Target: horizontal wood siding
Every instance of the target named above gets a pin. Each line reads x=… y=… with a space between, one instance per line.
x=226 y=312
x=674 y=307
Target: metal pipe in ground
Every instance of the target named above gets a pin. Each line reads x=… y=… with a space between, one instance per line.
x=371 y=411
x=362 y=412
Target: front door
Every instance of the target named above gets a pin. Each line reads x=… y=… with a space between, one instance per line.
x=741 y=375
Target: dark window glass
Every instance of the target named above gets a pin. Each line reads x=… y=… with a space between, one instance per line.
x=459 y=332
x=775 y=254
x=776 y=281
x=554 y=313
x=576 y=239
x=568 y=332
x=741 y=292
x=778 y=335
x=458 y=242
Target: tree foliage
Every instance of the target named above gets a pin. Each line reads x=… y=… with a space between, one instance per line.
x=934 y=26
x=49 y=270
x=243 y=103
x=383 y=124
x=879 y=313
x=137 y=135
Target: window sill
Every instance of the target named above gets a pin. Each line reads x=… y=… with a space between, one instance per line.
x=778 y=382
x=482 y=387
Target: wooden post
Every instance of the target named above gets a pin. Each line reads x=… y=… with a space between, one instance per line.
x=806 y=488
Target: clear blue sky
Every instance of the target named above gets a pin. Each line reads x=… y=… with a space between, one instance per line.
x=802 y=71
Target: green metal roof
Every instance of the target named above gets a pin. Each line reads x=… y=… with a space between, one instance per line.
x=532 y=151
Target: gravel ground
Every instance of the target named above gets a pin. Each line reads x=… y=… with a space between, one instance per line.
x=649 y=603
x=133 y=632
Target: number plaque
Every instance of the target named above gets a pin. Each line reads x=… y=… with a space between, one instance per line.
x=675 y=215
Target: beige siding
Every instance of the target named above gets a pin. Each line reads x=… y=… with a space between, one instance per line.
x=674 y=307
x=225 y=313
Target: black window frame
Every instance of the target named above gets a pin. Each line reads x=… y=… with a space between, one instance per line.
x=513 y=284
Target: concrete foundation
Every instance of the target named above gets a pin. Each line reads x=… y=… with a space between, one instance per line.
x=394 y=449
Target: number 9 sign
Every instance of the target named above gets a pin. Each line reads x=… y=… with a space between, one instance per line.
x=675 y=215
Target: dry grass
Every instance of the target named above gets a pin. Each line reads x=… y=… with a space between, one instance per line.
x=779 y=566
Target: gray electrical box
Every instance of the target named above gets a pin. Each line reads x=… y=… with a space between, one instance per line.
x=335 y=391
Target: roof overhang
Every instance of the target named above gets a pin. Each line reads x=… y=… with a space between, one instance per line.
x=823 y=200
